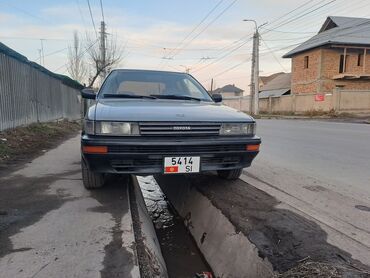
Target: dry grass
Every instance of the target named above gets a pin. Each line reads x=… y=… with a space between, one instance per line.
x=27 y=140
x=312 y=269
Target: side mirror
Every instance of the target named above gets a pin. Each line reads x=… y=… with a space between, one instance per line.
x=217 y=98
x=88 y=93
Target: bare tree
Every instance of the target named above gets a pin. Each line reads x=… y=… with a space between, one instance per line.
x=76 y=66
x=101 y=66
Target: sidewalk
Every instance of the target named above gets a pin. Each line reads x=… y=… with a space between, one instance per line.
x=341 y=119
x=50 y=226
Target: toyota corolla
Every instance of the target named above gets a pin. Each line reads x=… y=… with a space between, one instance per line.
x=150 y=122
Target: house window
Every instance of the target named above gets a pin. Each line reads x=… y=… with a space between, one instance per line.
x=342 y=67
x=306 y=62
x=360 y=60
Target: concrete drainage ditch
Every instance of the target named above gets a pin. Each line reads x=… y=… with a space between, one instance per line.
x=239 y=230
x=214 y=243
x=228 y=252
x=180 y=252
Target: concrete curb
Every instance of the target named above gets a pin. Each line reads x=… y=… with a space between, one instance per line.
x=228 y=251
x=149 y=253
x=128 y=237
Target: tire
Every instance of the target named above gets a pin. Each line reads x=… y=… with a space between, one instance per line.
x=90 y=179
x=230 y=174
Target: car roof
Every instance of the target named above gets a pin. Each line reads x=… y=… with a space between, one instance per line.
x=149 y=71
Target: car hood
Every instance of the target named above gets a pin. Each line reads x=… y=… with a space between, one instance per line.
x=137 y=110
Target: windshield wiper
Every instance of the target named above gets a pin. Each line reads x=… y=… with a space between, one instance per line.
x=176 y=97
x=127 y=96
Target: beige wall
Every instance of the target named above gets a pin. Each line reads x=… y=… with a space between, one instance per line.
x=353 y=101
x=238 y=103
x=339 y=101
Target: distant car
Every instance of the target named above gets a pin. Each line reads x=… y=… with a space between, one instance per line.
x=150 y=122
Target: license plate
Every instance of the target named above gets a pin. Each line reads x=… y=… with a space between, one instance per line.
x=181 y=164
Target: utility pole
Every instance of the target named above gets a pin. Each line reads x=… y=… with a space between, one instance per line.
x=211 y=85
x=256 y=41
x=254 y=86
x=103 y=49
x=42 y=58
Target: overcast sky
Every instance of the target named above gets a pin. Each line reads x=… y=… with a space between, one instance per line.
x=220 y=47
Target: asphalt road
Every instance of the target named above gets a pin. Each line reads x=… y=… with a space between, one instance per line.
x=322 y=171
x=339 y=152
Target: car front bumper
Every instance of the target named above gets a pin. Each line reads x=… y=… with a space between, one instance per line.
x=145 y=155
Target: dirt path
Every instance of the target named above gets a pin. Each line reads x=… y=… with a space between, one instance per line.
x=22 y=144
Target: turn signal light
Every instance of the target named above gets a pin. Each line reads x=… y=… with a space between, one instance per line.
x=95 y=149
x=253 y=148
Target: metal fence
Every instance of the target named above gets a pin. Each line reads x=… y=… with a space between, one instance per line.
x=28 y=95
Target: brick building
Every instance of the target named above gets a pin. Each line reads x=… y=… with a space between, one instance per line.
x=337 y=57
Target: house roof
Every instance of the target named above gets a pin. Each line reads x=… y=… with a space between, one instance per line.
x=273 y=93
x=228 y=89
x=337 y=30
x=277 y=87
x=282 y=81
x=266 y=79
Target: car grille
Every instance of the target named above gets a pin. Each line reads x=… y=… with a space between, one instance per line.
x=179 y=128
x=177 y=149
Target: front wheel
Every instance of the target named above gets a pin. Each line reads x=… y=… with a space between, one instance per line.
x=90 y=179
x=230 y=174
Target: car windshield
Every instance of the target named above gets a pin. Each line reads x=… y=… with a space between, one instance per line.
x=146 y=84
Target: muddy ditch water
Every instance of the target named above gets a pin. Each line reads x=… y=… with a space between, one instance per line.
x=182 y=256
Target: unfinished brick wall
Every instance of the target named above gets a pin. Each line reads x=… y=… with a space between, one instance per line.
x=304 y=80
x=323 y=66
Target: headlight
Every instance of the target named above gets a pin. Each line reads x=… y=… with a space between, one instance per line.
x=116 y=128
x=88 y=127
x=238 y=129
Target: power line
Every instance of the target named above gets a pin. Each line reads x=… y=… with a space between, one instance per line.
x=80 y=56
x=92 y=18
x=81 y=14
x=288 y=13
x=366 y=22
x=287 y=32
x=54 y=52
x=225 y=55
x=302 y=15
x=231 y=68
x=345 y=7
x=209 y=24
x=27 y=13
x=280 y=24
x=291 y=39
x=102 y=10
x=313 y=17
x=196 y=27
x=273 y=54
x=324 y=36
x=365 y=28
